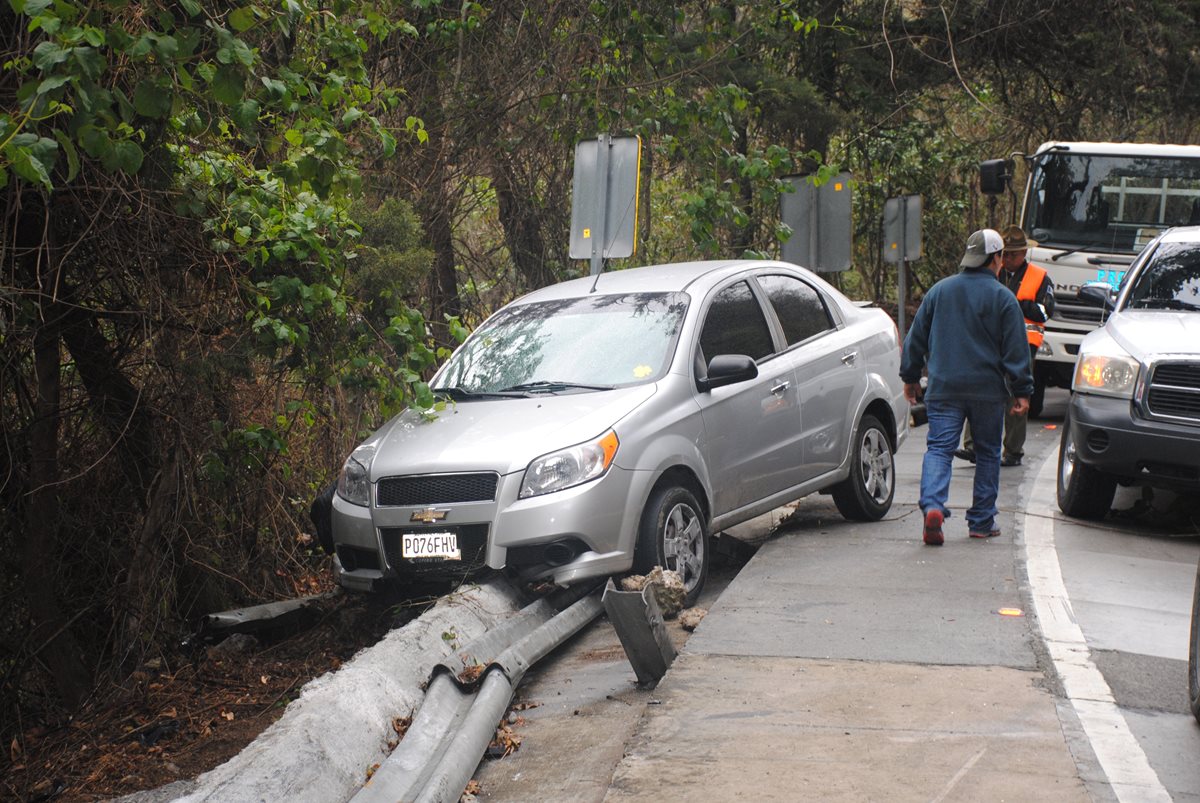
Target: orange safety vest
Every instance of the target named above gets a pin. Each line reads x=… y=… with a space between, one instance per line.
x=1030 y=285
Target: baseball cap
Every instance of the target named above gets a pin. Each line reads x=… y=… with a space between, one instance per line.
x=980 y=247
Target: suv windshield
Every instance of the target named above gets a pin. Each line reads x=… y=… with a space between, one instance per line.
x=1116 y=204
x=1170 y=280
x=600 y=341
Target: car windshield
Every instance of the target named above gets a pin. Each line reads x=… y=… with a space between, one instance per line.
x=1116 y=204
x=1170 y=280
x=573 y=344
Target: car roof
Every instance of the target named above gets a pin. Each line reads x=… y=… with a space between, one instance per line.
x=671 y=277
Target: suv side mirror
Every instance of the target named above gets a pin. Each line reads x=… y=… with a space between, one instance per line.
x=728 y=369
x=1098 y=294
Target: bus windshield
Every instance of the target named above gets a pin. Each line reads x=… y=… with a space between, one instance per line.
x=1113 y=204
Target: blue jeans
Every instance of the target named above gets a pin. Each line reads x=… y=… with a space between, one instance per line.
x=946 y=419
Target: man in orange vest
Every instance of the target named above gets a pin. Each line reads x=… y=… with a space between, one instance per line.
x=1035 y=295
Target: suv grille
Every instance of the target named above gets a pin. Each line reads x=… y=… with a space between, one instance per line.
x=1175 y=390
x=436 y=489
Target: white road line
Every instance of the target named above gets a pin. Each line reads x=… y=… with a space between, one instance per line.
x=1120 y=756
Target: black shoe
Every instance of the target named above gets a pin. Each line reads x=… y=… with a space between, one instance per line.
x=965 y=454
x=1010 y=461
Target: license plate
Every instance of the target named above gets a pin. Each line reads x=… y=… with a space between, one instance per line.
x=437 y=546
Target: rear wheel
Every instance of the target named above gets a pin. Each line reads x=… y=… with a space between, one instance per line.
x=1083 y=492
x=1194 y=652
x=674 y=535
x=866 y=495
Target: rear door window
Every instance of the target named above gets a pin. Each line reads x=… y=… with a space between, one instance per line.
x=799 y=307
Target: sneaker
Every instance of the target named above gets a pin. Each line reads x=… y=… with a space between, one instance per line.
x=933 y=528
x=988 y=534
x=965 y=454
x=1010 y=461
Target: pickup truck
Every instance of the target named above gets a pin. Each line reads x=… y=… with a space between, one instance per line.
x=1134 y=414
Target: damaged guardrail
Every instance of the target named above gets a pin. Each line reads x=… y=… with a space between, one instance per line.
x=457 y=719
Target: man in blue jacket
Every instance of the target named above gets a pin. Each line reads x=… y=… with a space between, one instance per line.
x=970 y=336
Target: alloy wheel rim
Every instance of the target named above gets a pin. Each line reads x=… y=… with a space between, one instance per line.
x=877 y=468
x=683 y=544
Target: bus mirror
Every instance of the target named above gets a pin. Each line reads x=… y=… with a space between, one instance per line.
x=994 y=175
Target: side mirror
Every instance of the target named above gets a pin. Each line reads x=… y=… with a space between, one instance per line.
x=994 y=175
x=1098 y=294
x=728 y=369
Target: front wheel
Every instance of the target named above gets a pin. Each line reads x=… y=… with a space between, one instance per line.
x=866 y=495
x=1194 y=652
x=1083 y=492
x=673 y=534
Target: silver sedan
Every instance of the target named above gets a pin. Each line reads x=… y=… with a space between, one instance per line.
x=613 y=422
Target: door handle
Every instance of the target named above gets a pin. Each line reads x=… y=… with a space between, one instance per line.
x=849 y=357
x=780 y=388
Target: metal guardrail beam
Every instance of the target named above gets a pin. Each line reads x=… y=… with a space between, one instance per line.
x=456 y=721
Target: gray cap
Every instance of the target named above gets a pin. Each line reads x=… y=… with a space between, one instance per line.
x=980 y=247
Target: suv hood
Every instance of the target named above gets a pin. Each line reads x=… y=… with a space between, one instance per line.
x=1143 y=333
x=501 y=435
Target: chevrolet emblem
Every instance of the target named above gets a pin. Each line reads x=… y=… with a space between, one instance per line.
x=429 y=515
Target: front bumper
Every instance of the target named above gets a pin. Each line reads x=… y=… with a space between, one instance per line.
x=593 y=527
x=1111 y=437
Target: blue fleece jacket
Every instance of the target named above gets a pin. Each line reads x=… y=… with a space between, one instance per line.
x=970 y=332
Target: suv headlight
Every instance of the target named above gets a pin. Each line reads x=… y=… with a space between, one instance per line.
x=569 y=467
x=1106 y=375
x=354 y=483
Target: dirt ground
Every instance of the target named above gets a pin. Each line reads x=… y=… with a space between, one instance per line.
x=174 y=720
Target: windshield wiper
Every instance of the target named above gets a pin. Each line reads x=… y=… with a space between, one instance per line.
x=462 y=394
x=551 y=387
x=1070 y=251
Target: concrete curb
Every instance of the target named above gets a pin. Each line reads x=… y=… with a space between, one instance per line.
x=322 y=747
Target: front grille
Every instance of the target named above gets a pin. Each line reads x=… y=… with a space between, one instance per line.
x=1175 y=390
x=1076 y=313
x=436 y=489
x=472 y=542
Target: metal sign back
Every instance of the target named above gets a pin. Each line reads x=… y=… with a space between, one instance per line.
x=604 y=201
x=902 y=229
x=820 y=220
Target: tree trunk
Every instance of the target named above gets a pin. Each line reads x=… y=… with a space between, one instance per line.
x=436 y=210
x=518 y=216
x=50 y=631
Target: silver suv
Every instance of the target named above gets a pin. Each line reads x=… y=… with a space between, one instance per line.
x=613 y=422
x=1134 y=416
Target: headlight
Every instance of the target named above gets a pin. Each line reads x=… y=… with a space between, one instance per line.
x=569 y=467
x=354 y=483
x=1106 y=374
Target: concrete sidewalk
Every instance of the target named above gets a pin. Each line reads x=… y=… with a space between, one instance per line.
x=851 y=662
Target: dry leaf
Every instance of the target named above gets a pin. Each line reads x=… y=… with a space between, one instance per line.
x=400 y=725
x=14 y=750
x=264 y=679
x=525 y=706
x=227 y=715
x=471 y=673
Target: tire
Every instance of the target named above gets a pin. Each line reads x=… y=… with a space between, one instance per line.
x=673 y=534
x=1083 y=492
x=866 y=495
x=1038 y=399
x=1194 y=652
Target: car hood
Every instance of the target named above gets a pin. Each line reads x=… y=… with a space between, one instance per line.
x=500 y=435
x=1144 y=333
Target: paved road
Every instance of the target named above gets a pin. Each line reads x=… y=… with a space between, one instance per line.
x=851 y=662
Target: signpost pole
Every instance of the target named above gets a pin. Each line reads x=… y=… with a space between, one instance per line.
x=902 y=287
x=600 y=236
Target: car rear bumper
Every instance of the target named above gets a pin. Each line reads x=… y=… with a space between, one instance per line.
x=1111 y=438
